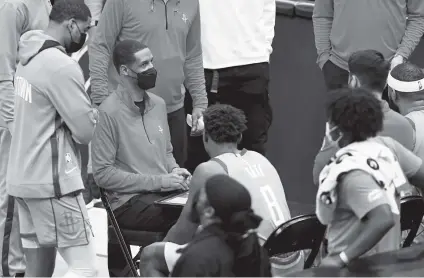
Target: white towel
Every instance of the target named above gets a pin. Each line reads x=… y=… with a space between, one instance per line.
x=368 y=156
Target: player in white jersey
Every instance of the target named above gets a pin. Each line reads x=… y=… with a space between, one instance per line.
x=224 y=126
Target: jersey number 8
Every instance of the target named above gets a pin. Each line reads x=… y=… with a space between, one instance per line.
x=273 y=206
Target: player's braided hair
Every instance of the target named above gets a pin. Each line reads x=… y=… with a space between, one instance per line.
x=224 y=123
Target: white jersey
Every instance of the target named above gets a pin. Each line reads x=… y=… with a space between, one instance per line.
x=260 y=178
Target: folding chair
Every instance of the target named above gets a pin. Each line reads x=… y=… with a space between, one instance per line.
x=125 y=237
x=299 y=233
x=411 y=215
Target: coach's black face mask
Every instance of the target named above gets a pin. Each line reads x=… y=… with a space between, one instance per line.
x=147 y=79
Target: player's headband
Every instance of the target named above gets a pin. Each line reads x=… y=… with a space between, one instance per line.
x=405 y=86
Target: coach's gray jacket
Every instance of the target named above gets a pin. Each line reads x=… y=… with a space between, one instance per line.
x=51 y=111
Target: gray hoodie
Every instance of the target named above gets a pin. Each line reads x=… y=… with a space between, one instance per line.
x=52 y=110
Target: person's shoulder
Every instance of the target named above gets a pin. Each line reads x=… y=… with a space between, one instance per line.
x=111 y=105
x=396 y=126
x=355 y=180
x=389 y=142
x=215 y=246
x=209 y=168
x=61 y=63
x=156 y=99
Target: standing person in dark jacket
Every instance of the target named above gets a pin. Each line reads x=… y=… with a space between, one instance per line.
x=342 y=27
x=223 y=208
x=171 y=29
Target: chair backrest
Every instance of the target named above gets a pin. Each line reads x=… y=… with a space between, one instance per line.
x=299 y=233
x=411 y=215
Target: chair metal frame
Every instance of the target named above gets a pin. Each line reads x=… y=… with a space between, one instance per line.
x=271 y=245
x=120 y=237
x=411 y=222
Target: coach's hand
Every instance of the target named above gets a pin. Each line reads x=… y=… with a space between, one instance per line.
x=196 y=115
x=174 y=181
x=397 y=60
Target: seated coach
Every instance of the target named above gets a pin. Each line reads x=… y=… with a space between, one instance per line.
x=132 y=151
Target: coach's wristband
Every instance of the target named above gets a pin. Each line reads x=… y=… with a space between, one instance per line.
x=344 y=258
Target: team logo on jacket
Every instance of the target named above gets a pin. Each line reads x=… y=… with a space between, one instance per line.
x=184 y=18
x=160 y=129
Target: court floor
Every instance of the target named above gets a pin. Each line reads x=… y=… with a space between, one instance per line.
x=98 y=218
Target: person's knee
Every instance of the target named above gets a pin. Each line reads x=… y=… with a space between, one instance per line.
x=152 y=260
x=149 y=253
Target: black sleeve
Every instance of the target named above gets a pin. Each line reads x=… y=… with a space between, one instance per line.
x=193 y=265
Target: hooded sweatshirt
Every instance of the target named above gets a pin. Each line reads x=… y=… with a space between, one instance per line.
x=170 y=29
x=52 y=110
x=16 y=18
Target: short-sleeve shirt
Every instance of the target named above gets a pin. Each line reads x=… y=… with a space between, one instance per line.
x=358 y=194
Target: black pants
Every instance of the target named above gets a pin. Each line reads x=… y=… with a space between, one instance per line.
x=178 y=129
x=334 y=76
x=139 y=213
x=246 y=88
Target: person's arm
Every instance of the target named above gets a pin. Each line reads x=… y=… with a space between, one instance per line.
x=412 y=166
x=13 y=22
x=193 y=66
x=101 y=48
x=68 y=96
x=414 y=29
x=183 y=231
x=268 y=22
x=369 y=203
x=323 y=23
x=170 y=160
x=324 y=156
x=103 y=154
x=96 y=7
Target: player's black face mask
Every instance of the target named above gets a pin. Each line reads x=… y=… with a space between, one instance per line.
x=146 y=79
x=76 y=46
